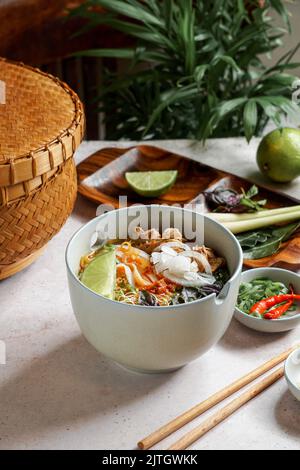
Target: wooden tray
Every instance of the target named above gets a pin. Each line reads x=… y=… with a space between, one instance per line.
x=101 y=179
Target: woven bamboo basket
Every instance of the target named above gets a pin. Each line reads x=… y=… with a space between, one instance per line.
x=41 y=125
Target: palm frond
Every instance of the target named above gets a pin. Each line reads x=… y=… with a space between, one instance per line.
x=203 y=73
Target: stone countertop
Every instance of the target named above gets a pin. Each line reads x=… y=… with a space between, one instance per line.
x=57 y=392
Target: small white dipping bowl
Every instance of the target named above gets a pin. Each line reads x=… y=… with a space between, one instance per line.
x=270 y=326
x=154 y=339
x=292 y=373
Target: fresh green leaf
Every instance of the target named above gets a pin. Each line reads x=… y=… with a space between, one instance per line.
x=228 y=60
x=270 y=247
x=281 y=10
x=126 y=8
x=167 y=99
x=256 y=290
x=196 y=69
x=250 y=119
x=265 y=242
x=229 y=106
x=200 y=72
x=115 y=53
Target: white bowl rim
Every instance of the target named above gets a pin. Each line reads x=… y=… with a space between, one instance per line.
x=148 y=307
x=287 y=376
x=277 y=320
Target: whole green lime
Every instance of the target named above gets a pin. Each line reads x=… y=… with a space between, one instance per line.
x=278 y=155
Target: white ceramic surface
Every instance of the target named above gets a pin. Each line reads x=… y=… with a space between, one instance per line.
x=153 y=339
x=292 y=373
x=270 y=326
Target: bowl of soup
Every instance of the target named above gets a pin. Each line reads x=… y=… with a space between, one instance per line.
x=153 y=287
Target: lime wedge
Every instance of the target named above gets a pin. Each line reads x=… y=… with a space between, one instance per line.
x=151 y=183
x=100 y=274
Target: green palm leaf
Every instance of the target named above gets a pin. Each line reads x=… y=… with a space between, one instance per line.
x=200 y=69
x=250 y=119
x=136 y=11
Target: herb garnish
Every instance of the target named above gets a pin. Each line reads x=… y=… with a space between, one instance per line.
x=229 y=200
x=258 y=289
x=260 y=243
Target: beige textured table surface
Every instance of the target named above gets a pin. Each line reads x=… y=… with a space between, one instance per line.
x=57 y=392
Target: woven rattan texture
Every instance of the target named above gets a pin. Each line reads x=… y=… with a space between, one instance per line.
x=27 y=225
x=41 y=125
x=36 y=110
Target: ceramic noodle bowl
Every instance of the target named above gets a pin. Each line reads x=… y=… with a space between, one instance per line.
x=154 y=339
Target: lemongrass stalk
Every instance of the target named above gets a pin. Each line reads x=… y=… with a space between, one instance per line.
x=229 y=217
x=260 y=222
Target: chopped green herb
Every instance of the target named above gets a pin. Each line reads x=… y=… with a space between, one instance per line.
x=259 y=289
x=229 y=200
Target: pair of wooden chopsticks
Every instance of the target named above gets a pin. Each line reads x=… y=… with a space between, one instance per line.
x=221 y=414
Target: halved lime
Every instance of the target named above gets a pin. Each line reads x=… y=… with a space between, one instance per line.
x=151 y=183
x=100 y=274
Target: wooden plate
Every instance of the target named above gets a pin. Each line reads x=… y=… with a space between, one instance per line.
x=101 y=178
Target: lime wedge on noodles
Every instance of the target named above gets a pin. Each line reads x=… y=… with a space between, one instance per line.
x=100 y=274
x=151 y=183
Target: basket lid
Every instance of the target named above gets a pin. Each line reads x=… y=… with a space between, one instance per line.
x=41 y=123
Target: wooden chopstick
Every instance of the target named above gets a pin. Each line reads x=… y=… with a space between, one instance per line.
x=197 y=410
x=228 y=410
